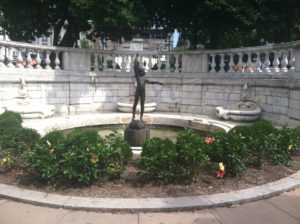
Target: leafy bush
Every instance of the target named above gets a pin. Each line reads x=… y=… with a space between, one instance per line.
x=230 y=150
x=166 y=162
x=265 y=142
x=158 y=160
x=191 y=154
x=26 y=138
x=9 y=120
x=80 y=156
x=117 y=153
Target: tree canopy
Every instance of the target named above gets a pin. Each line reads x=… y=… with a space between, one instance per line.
x=213 y=23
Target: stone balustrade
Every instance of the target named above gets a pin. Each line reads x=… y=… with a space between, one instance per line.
x=29 y=56
x=268 y=58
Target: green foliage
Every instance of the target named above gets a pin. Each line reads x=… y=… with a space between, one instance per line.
x=84 y=43
x=191 y=155
x=158 y=160
x=116 y=154
x=265 y=142
x=230 y=150
x=9 y=120
x=80 y=156
x=166 y=162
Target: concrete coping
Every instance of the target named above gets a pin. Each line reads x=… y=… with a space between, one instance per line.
x=151 y=204
x=141 y=204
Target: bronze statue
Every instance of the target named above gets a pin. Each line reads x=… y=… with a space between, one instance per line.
x=140 y=91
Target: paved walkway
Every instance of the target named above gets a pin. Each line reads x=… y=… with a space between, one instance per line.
x=283 y=209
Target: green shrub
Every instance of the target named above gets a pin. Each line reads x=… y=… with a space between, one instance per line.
x=82 y=158
x=55 y=137
x=116 y=154
x=167 y=162
x=191 y=154
x=26 y=138
x=265 y=142
x=9 y=120
x=44 y=160
x=158 y=160
x=230 y=150
x=9 y=114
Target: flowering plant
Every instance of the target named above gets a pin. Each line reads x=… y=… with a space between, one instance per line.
x=221 y=171
x=209 y=140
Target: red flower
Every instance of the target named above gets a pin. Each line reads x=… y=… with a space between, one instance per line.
x=209 y=140
x=220 y=173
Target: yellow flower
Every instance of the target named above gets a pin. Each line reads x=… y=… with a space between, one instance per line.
x=94 y=159
x=290 y=147
x=221 y=166
x=4 y=160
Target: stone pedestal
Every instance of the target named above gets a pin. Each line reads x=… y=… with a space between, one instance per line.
x=137 y=133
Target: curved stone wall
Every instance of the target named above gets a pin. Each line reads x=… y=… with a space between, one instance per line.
x=195 y=93
x=193 y=88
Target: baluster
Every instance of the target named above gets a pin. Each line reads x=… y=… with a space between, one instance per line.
x=47 y=61
x=131 y=64
x=158 y=63
x=96 y=63
x=57 y=61
x=167 y=63
x=213 y=63
x=38 y=60
x=231 y=63
x=222 y=63
x=2 y=57
x=284 y=61
x=267 y=63
x=113 y=62
x=28 y=59
x=123 y=62
x=258 y=62
x=244 y=64
x=249 y=62
x=240 y=62
x=128 y=63
x=20 y=59
x=150 y=63
x=292 y=61
x=104 y=63
x=10 y=58
x=176 y=69
x=276 y=62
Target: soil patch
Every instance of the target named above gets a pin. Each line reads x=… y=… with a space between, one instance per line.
x=129 y=185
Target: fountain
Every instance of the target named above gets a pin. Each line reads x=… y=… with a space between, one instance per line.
x=25 y=107
x=244 y=110
x=137 y=133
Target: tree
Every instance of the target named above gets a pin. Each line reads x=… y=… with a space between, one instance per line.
x=25 y=19
x=228 y=23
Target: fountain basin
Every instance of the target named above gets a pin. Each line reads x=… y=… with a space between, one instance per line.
x=241 y=111
x=28 y=109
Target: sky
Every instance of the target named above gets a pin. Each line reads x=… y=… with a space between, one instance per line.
x=175 y=37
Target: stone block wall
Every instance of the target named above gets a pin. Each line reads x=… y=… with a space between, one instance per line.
x=195 y=93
